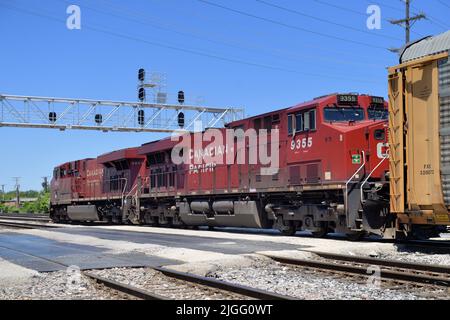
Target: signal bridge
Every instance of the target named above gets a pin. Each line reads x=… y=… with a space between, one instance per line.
x=101 y=115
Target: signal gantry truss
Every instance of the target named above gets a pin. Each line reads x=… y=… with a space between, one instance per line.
x=101 y=115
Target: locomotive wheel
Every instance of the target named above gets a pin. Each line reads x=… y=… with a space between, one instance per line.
x=355 y=236
x=289 y=231
x=287 y=228
x=322 y=232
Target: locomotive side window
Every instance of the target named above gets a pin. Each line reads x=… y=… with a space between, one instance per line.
x=343 y=114
x=257 y=124
x=276 y=119
x=238 y=133
x=172 y=177
x=309 y=120
x=268 y=123
x=299 y=122
x=153 y=179
x=290 y=124
x=379 y=134
x=378 y=113
x=302 y=122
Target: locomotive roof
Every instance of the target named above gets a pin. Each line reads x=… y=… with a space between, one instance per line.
x=238 y=122
x=294 y=108
x=426 y=46
x=69 y=162
x=311 y=102
x=156 y=146
x=129 y=153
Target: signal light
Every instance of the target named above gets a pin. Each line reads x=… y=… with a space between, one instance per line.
x=181 y=119
x=141 y=94
x=180 y=97
x=52 y=116
x=141 y=117
x=141 y=75
x=98 y=118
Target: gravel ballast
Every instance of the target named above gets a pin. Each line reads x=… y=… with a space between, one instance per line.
x=157 y=283
x=310 y=285
x=58 y=286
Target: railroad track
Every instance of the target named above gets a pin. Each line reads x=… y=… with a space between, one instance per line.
x=389 y=269
x=433 y=244
x=25 y=216
x=166 y=282
x=25 y=225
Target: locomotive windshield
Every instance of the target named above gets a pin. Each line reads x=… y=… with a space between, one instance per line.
x=378 y=113
x=343 y=114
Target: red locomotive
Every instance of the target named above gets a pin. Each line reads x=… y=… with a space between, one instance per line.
x=320 y=166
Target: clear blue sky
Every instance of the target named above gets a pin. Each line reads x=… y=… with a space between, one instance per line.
x=281 y=63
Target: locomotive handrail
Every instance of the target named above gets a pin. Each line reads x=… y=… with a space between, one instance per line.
x=349 y=180
x=370 y=174
x=125 y=186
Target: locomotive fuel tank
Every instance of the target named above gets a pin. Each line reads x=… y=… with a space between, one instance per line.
x=83 y=213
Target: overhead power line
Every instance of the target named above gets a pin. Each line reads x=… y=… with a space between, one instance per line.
x=275 y=52
x=347 y=10
x=444 y=4
x=185 y=50
x=324 y=20
x=247 y=14
x=432 y=19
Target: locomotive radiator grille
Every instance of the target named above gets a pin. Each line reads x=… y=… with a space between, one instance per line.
x=444 y=95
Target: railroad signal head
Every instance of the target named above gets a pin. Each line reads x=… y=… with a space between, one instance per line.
x=141 y=75
x=98 y=118
x=141 y=94
x=180 y=97
x=141 y=117
x=181 y=119
x=52 y=116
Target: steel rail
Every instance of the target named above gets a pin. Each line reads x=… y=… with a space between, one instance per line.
x=432 y=244
x=25 y=218
x=124 y=288
x=407 y=274
x=385 y=262
x=222 y=285
x=24 y=225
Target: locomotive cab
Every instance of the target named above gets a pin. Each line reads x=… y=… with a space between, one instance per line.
x=336 y=156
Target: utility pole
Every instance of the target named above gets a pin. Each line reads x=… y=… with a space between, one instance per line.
x=17 y=186
x=409 y=21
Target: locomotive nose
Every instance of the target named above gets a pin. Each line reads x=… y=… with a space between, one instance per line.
x=379 y=150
